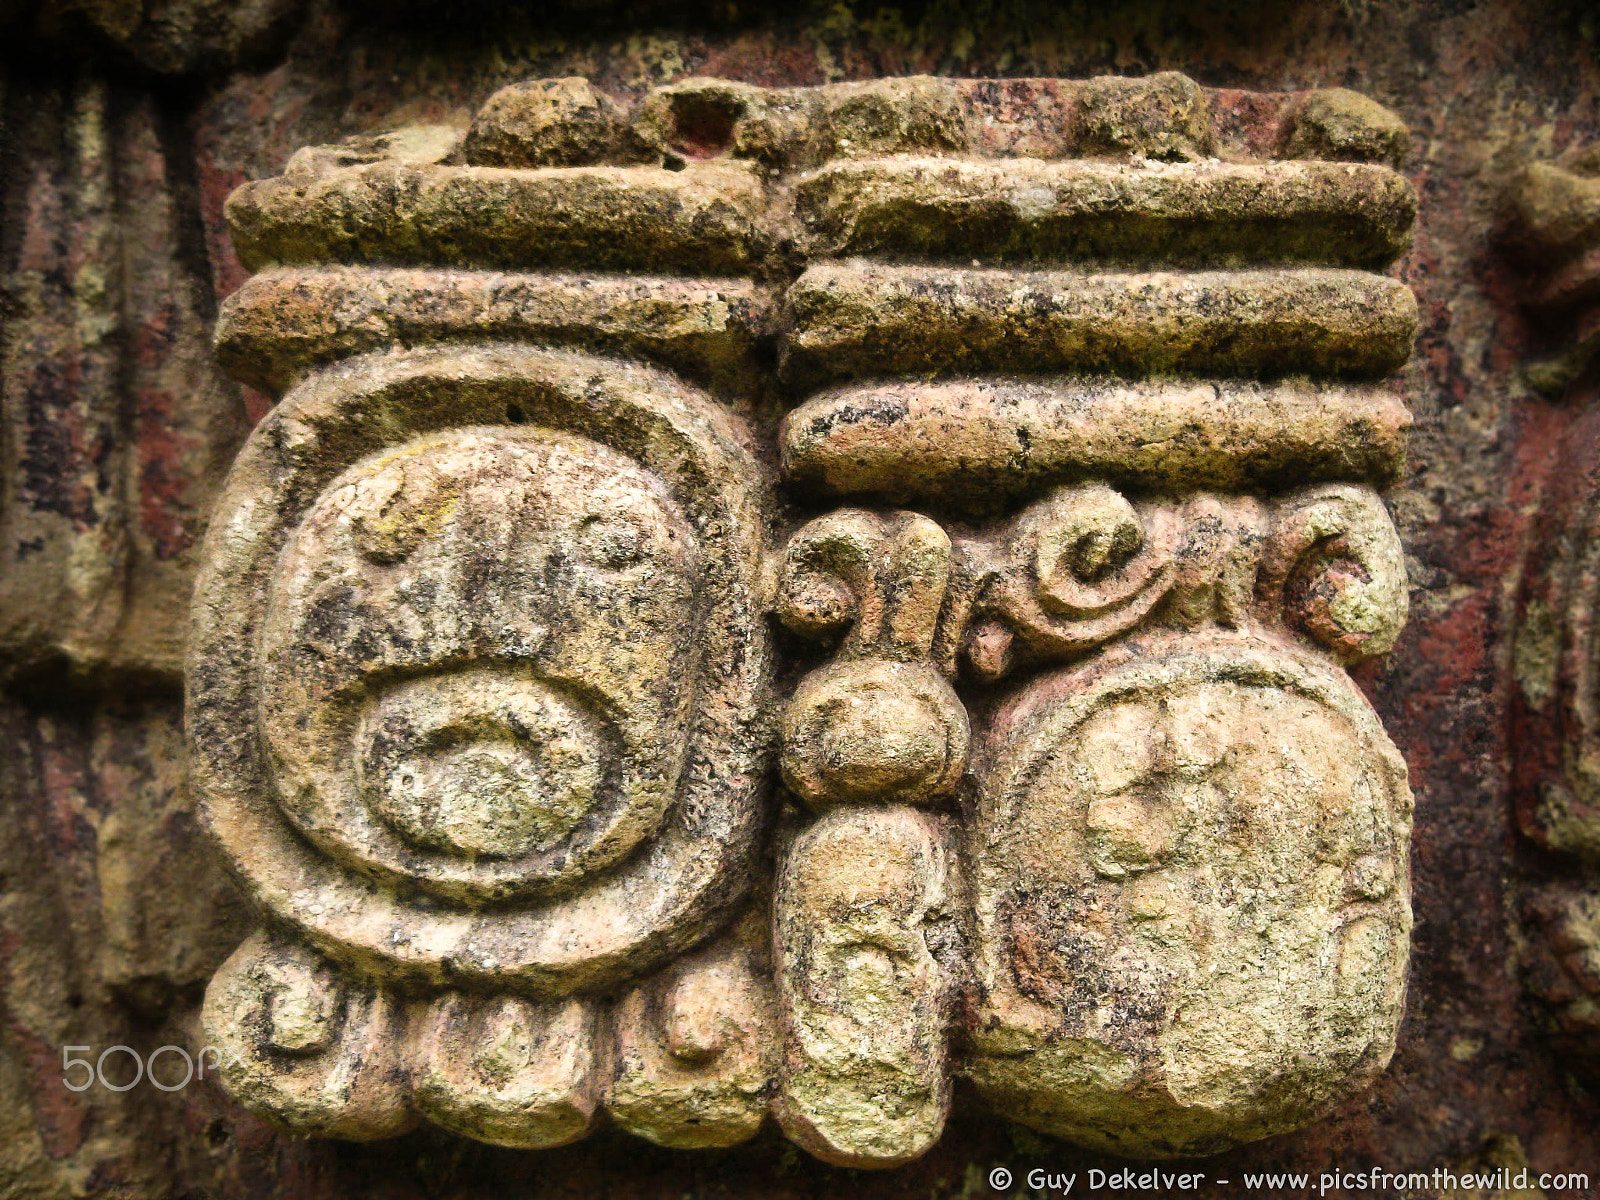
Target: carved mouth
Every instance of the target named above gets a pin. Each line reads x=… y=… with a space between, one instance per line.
x=480 y=763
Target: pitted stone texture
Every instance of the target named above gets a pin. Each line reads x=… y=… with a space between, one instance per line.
x=700 y=220
x=1336 y=123
x=509 y=1071
x=1189 y=865
x=854 y=320
x=1079 y=567
x=864 y=904
x=1210 y=213
x=1083 y=565
x=878 y=724
x=495 y=612
x=546 y=123
x=475 y=693
x=1164 y=116
x=321 y=1054
x=284 y=323
x=1334 y=568
x=696 y=1047
x=974 y=443
x=870 y=730
x=475 y=665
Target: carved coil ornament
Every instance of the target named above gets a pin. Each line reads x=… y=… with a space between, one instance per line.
x=483 y=698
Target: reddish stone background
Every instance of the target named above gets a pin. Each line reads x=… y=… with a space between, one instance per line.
x=112 y=911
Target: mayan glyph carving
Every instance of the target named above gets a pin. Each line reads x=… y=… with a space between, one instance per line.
x=1048 y=422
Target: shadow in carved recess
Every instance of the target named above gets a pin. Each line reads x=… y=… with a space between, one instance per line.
x=481 y=690
x=1554 y=232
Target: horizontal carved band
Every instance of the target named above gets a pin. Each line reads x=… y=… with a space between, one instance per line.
x=856 y=319
x=283 y=322
x=985 y=439
x=686 y=1058
x=1333 y=213
x=700 y=220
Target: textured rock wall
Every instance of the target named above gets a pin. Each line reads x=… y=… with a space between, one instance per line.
x=126 y=128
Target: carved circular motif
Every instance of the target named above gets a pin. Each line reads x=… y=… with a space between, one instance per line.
x=476 y=654
x=479 y=767
x=1191 y=880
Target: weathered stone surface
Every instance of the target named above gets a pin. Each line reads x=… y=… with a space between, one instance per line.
x=889 y=116
x=863 y=903
x=1554 y=710
x=116 y=426
x=878 y=723
x=699 y=220
x=1482 y=88
x=1189 y=870
x=1076 y=211
x=471 y=771
x=546 y=123
x=319 y=1052
x=510 y=1071
x=1338 y=124
x=1334 y=569
x=1561 y=966
x=172 y=37
x=1164 y=116
x=854 y=319
x=465 y=596
x=1556 y=207
x=696 y=1047
x=1553 y=225
x=285 y=322
x=971 y=441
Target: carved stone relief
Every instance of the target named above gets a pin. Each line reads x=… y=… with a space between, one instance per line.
x=1554 y=229
x=1076 y=497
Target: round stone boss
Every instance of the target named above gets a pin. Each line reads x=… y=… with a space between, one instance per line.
x=477 y=660
x=1191 y=879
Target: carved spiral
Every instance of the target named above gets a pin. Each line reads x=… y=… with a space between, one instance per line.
x=1335 y=568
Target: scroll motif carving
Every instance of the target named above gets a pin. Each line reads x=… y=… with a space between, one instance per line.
x=1080 y=520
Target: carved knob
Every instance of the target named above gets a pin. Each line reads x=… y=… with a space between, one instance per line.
x=873 y=730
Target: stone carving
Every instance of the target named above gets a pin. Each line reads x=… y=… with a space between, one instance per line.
x=1554 y=229
x=1191 y=911
x=476 y=695
x=481 y=694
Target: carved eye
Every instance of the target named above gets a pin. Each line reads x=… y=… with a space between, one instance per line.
x=609 y=542
x=393 y=510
